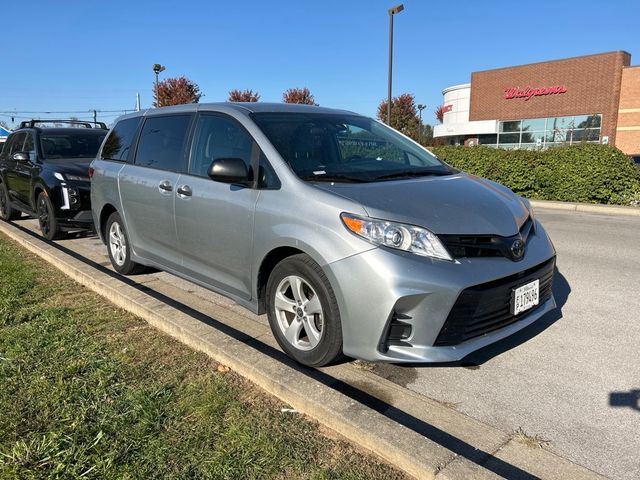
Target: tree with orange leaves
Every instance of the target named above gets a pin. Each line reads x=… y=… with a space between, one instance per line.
x=175 y=91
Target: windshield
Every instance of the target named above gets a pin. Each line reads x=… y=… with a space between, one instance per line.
x=70 y=145
x=345 y=148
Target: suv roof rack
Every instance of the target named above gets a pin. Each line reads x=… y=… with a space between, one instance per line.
x=84 y=123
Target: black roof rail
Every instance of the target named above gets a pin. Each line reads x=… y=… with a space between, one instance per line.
x=84 y=123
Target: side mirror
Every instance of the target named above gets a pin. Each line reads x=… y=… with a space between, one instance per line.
x=229 y=170
x=21 y=157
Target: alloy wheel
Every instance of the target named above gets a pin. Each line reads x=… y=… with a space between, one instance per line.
x=117 y=244
x=43 y=216
x=299 y=313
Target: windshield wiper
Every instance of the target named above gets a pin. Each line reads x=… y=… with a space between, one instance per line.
x=336 y=177
x=413 y=173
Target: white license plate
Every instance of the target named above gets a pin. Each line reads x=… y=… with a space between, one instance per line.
x=525 y=297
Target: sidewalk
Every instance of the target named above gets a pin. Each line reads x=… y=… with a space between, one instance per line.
x=587 y=207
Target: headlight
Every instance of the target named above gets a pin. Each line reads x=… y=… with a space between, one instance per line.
x=409 y=238
x=77 y=178
x=71 y=178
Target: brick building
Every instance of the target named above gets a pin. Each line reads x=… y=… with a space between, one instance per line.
x=594 y=98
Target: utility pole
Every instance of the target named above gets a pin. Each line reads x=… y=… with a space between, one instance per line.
x=392 y=12
x=138 y=102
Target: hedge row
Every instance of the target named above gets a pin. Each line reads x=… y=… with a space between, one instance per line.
x=587 y=173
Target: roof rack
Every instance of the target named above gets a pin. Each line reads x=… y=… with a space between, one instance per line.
x=84 y=123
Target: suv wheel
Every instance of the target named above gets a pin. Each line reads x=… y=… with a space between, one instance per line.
x=303 y=312
x=7 y=213
x=47 y=218
x=118 y=247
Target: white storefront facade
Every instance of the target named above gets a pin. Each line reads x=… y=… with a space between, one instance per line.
x=456 y=125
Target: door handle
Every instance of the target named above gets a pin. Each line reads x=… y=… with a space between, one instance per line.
x=184 y=191
x=165 y=186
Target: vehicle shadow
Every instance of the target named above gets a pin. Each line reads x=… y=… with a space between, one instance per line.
x=629 y=399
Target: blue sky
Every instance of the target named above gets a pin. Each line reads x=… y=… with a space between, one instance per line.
x=81 y=55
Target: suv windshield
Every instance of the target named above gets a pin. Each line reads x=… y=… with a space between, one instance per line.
x=345 y=148
x=71 y=145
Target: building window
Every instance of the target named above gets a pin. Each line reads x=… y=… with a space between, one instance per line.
x=488 y=139
x=545 y=132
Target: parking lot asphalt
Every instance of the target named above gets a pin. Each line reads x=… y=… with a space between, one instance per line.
x=574 y=377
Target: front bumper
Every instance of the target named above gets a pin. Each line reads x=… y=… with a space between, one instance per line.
x=373 y=286
x=73 y=206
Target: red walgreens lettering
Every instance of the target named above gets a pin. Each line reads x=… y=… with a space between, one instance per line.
x=528 y=92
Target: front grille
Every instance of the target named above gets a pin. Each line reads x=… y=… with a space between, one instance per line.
x=461 y=246
x=487 y=307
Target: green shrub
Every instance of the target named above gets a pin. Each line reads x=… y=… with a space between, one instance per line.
x=587 y=173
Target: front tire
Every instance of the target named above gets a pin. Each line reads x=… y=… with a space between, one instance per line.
x=303 y=312
x=119 y=248
x=7 y=213
x=47 y=218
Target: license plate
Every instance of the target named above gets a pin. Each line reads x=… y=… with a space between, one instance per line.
x=525 y=297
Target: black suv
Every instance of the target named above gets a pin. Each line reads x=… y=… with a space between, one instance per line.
x=44 y=173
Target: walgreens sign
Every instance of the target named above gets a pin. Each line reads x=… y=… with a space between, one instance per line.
x=528 y=92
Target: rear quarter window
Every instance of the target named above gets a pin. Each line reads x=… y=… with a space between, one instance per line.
x=118 y=143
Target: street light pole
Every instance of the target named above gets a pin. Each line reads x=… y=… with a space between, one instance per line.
x=420 y=108
x=157 y=68
x=392 y=12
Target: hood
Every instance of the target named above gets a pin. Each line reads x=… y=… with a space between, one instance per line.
x=72 y=166
x=458 y=204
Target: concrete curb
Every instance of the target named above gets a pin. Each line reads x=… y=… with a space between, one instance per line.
x=409 y=451
x=587 y=208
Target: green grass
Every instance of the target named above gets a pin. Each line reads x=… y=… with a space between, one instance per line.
x=89 y=391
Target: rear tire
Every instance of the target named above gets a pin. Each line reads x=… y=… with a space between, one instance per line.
x=119 y=248
x=303 y=312
x=7 y=213
x=47 y=218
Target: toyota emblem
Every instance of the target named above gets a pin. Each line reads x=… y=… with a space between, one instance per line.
x=517 y=249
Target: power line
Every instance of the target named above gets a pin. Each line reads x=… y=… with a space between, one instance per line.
x=21 y=112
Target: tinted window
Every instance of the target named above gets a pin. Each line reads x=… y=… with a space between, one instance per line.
x=119 y=141
x=16 y=142
x=267 y=177
x=29 y=146
x=219 y=137
x=162 y=142
x=57 y=145
x=6 y=146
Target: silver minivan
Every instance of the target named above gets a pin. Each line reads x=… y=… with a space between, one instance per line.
x=354 y=239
